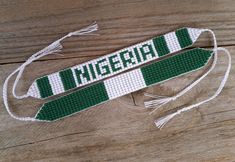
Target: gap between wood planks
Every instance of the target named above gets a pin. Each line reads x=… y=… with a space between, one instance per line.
x=63 y=58
x=43 y=140
x=84 y=132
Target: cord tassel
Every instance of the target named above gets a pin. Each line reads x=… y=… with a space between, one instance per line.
x=53 y=48
x=161 y=122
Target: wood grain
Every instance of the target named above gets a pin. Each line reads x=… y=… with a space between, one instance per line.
x=34 y=24
x=120 y=130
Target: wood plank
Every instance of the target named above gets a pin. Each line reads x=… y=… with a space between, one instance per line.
x=35 y=24
x=122 y=131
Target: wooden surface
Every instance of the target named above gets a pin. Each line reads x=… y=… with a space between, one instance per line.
x=120 y=130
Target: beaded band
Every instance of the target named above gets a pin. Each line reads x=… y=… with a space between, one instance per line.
x=114 y=63
x=123 y=84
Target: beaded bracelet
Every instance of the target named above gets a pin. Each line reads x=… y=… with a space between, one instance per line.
x=114 y=63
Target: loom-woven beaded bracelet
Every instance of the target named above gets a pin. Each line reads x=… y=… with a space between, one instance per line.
x=114 y=63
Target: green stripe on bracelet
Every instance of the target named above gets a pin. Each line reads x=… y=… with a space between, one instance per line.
x=183 y=37
x=44 y=87
x=124 y=84
x=175 y=66
x=117 y=62
x=74 y=102
x=67 y=79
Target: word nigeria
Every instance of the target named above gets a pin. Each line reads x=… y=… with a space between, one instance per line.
x=115 y=62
